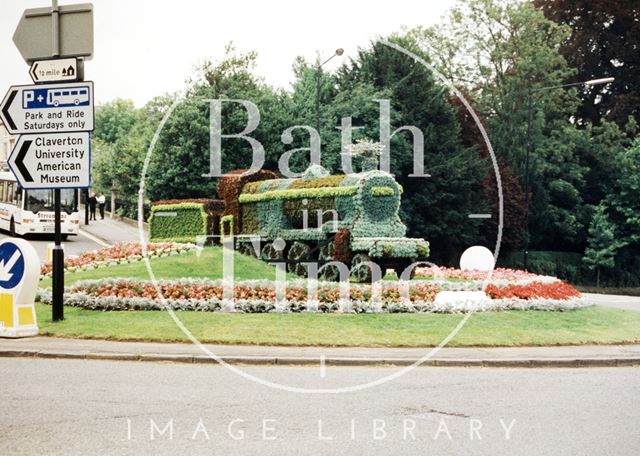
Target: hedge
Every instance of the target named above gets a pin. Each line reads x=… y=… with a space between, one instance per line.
x=229 y=189
x=568 y=266
x=190 y=220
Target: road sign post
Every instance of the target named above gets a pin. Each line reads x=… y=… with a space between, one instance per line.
x=53 y=119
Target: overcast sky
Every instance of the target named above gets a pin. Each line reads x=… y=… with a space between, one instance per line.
x=145 y=48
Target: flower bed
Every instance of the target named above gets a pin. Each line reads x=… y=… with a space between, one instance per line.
x=118 y=254
x=260 y=296
x=498 y=274
x=533 y=290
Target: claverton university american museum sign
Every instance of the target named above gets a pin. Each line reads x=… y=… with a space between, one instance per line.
x=60 y=160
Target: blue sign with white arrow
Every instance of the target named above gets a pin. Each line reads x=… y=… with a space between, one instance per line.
x=11 y=265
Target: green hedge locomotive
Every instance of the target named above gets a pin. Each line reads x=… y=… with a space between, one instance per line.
x=353 y=219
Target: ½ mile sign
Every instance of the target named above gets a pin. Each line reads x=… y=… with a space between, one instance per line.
x=51 y=108
x=58 y=70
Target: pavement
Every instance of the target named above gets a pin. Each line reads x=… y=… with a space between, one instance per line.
x=560 y=356
x=109 y=231
x=84 y=407
x=98 y=234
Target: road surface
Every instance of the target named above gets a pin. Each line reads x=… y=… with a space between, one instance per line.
x=74 y=245
x=72 y=407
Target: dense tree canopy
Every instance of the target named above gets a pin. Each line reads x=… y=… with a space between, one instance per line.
x=506 y=57
x=604 y=41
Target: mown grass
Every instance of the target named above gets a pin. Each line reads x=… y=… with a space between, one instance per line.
x=593 y=325
x=206 y=265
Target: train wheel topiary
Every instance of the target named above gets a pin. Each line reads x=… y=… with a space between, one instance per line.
x=298 y=251
x=400 y=269
x=246 y=248
x=271 y=253
x=360 y=273
x=330 y=272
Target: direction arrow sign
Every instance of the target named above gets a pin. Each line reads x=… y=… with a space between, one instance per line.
x=50 y=108
x=59 y=160
x=54 y=70
x=34 y=34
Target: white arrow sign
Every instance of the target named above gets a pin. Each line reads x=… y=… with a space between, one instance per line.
x=54 y=70
x=5 y=269
x=60 y=160
x=50 y=108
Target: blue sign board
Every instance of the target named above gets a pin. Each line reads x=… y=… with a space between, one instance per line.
x=72 y=95
x=11 y=265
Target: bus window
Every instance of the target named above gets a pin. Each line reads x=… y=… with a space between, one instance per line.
x=42 y=200
x=3 y=186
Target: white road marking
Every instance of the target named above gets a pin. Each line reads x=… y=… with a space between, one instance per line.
x=94 y=239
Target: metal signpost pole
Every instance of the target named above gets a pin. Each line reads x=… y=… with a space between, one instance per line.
x=57 y=308
x=54 y=42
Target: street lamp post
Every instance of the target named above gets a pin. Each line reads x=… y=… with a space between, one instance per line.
x=338 y=52
x=590 y=83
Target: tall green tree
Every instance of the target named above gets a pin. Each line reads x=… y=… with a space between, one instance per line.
x=114 y=120
x=435 y=207
x=119 y=151
x=604 y=41
x=500 y=50
x=602 y=244
x=181 y=160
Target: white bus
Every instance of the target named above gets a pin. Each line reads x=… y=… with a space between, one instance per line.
x=31 y=211
x=68 y=96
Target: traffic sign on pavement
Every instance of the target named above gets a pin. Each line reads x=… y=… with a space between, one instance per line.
x=57 y=70
x=50 y=108
x=19 y=276
x=60 y=160
x=34 y=36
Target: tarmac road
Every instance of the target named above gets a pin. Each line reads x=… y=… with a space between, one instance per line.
x=108 y=407
x=74 y=245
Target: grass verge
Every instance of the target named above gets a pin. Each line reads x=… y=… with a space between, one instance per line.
x=206 y=265
x=592 y=325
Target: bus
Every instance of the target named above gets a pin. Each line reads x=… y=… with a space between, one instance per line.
x=31 y=211
x=68 y=97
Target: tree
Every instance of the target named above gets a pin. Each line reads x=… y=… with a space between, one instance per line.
x=120 y=148
x=435 y=207
x=114 y=120
x=604 y=41
x=500 y=50
x=181 y=160
x=513 y=199
x=623 y=199
x=602 y=243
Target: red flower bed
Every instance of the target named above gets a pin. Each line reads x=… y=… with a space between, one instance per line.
x=555 y=290
x=117 y=252
x=179 y=290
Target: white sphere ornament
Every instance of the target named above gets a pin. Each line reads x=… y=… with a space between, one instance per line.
x=477 y=258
